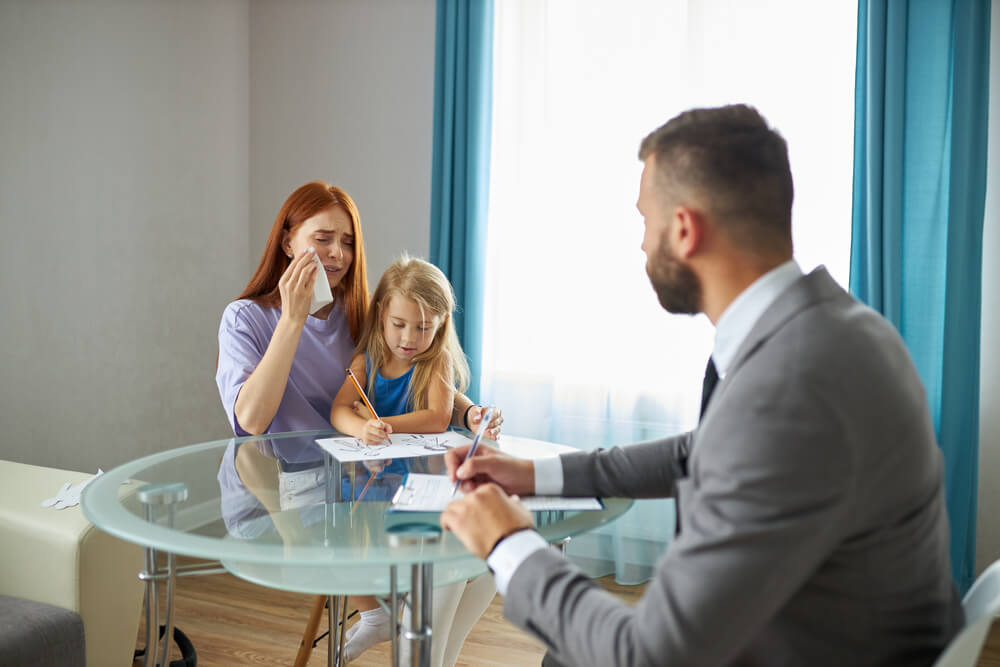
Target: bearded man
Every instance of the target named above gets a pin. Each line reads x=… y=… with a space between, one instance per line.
x=813 y=527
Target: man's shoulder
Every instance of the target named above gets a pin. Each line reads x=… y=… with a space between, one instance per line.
x=816 y=315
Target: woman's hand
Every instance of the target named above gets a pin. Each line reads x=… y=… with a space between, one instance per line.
x=258 y=400
x=375 y=431
x=475 y=416
x=296 y=286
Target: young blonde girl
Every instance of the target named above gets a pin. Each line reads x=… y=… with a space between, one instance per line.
x=410 y=364
x=407 y=359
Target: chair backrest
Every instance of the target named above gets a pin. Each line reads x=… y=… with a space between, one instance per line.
x=981 y=604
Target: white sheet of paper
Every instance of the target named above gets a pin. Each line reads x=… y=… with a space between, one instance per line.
x=321 y=288
x=404 y=445
x=69 y=495
x=431 y=493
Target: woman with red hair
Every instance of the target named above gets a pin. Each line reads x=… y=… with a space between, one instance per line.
x=280 y=365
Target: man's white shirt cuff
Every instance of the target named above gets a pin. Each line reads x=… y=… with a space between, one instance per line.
x=548 y=476
x=508 y=555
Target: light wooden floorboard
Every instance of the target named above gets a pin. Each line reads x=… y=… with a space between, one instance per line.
x=232 y=622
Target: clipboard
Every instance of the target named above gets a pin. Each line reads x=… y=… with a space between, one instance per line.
x=420 y=493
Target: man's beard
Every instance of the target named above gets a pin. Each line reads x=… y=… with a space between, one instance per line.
x=676 y=286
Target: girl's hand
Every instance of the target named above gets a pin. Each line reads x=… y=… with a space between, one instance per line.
x=475 y=417
x=375 y=431
x=376 y=466
x=296 y=286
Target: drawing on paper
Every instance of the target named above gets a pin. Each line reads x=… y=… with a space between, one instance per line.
x=403 y=445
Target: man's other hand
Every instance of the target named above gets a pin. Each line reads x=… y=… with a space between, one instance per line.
x=484 y=517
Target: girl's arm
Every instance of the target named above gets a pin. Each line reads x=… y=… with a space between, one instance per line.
x=462 y=404
x=346 y=420
x=436 y=417
x=260 y=396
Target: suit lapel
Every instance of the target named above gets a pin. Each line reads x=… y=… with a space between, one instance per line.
x=806 y=291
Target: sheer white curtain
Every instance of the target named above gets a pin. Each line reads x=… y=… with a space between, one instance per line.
x=577 y=350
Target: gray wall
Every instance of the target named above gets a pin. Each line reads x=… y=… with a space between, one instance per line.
x=145 y=148
x=988 y=533
x=123 y=201
x=343 y=92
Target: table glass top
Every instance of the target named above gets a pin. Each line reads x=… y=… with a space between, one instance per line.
x=281 y=500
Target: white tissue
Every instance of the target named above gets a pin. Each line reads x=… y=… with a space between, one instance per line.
x=69 y=496
x=321 y=288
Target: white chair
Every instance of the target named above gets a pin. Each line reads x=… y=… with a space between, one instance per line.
x=981 y=604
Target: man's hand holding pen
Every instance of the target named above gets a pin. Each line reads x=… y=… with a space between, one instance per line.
x=487 y=513
x=513 y=475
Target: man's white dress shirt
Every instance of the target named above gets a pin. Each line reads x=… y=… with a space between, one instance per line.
x=732 y=328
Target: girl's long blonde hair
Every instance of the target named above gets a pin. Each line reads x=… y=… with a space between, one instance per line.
x=426 y=285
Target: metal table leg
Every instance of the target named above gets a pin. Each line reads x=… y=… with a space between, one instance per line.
x=394 y=616
x=168 y=633
x=151 y=496
x=152 y=602
x=421 y=594
x=421 y=598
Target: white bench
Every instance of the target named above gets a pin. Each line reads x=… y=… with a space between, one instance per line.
x=58 y=557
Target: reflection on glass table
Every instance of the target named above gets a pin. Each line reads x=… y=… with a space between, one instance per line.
x=281 y=512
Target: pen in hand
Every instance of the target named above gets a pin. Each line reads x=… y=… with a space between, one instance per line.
x=475 y=443
x=364 y=398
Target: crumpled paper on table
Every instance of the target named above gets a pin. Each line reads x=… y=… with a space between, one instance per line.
x=69 y=494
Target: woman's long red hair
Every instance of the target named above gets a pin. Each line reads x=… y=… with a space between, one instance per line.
x=307 y=201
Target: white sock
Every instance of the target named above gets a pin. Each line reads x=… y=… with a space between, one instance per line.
x=373 y=627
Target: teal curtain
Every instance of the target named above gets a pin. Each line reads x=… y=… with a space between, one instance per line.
x=921 y=103
x=463 y=98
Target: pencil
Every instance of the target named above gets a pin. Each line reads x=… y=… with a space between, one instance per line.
x=361 y=495
x=361 y=393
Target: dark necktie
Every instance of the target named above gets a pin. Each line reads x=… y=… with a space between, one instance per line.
x=708 y=386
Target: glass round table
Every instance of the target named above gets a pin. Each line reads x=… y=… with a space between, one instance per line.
x=281 y=511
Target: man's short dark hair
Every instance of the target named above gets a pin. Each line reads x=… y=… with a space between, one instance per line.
x=739 y=165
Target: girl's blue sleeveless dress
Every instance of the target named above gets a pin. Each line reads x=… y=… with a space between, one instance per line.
x=389 y=398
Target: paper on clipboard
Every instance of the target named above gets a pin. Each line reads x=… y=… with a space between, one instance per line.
x=420 y=492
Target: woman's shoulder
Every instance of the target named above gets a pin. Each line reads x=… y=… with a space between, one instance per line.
x=247 y=313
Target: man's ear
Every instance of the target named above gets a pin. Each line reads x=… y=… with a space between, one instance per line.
x=688 y=231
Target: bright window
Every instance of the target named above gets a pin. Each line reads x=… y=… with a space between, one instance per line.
x=577 y=348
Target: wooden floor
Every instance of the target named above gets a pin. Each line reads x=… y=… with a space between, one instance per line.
x=232 y=622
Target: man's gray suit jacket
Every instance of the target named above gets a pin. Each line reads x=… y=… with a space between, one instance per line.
x=812 y=512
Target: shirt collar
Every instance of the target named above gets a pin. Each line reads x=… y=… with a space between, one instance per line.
x=742 y=314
